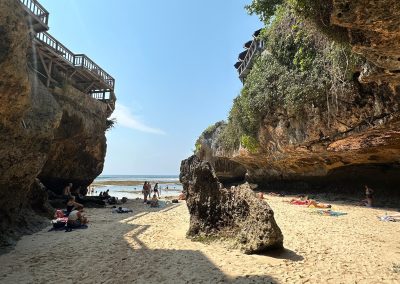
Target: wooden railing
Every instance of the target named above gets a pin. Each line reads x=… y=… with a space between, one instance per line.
x=101 y=95
x=85 y=62
x=37 y=10
x=76 y=60
x=58 y=47
x=87 y=68
x=255 y=46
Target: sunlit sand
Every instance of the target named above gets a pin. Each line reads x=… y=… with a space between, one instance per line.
x=149 y=246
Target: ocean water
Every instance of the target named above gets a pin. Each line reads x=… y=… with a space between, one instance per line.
x=169 y=185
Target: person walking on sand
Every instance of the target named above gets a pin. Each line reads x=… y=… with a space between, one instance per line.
x=155 y=190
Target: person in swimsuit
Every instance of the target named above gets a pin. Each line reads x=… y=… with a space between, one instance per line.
x=76 y=219
x=71 y=204
x=155 y=190
x=154 y=201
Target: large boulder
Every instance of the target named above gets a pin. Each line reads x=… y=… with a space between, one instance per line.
x=234 y=212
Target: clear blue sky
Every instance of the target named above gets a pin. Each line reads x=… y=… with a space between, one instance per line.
x=173 y=65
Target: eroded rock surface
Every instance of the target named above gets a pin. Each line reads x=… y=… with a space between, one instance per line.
x=227 y=170
x=355 y=138
x=234 y=212
x=374 y=33
x=55 y=134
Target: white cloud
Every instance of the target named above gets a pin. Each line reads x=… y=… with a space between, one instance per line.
x=125 y=118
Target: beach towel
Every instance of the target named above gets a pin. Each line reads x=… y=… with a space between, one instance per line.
x=330 y=213
x=59 y=222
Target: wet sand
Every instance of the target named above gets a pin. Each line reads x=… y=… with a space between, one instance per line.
x=149 y=246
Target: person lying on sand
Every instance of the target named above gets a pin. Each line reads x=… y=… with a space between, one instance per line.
x=276 y=194
x=299 y=201
x=120 y=210
x=309 y=202
x=317 y=204
x=76 y=219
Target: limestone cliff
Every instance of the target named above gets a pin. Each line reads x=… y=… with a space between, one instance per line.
x=56 y=134
x=353 y=137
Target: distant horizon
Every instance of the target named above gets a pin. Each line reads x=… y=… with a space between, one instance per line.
x=138 y=175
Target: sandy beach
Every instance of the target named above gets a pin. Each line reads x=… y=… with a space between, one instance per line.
x=149 y=246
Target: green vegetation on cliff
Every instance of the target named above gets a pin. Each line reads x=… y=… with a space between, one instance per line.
x=302 y=67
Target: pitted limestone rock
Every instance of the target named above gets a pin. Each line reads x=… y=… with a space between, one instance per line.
x=235 y=211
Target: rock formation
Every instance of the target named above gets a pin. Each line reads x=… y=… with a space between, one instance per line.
x=55 y=134
x=353 y=141
x=227 y=170
x=234 y=212
x=374 y=32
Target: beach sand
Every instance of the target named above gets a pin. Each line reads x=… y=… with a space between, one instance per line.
x=149 y=246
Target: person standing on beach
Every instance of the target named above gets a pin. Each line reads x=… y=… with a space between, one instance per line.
x=67 y=190
x=155 y=190
x=368 y=196
x=145 y=191
x=149 y=190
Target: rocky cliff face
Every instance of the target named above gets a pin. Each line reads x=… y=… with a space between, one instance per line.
x=374 y=32
x=57 y=135
x=356 y=139
x=227 y=170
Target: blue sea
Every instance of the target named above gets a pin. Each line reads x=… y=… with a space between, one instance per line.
x=169 y=185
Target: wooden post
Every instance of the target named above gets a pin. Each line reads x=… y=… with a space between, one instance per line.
x=49 y=74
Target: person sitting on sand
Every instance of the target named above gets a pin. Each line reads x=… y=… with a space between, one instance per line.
x=76 y=219
x=182 y=196
x=71 y=204
x=154 y=201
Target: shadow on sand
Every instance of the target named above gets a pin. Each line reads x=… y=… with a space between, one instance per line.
x=284 y=254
